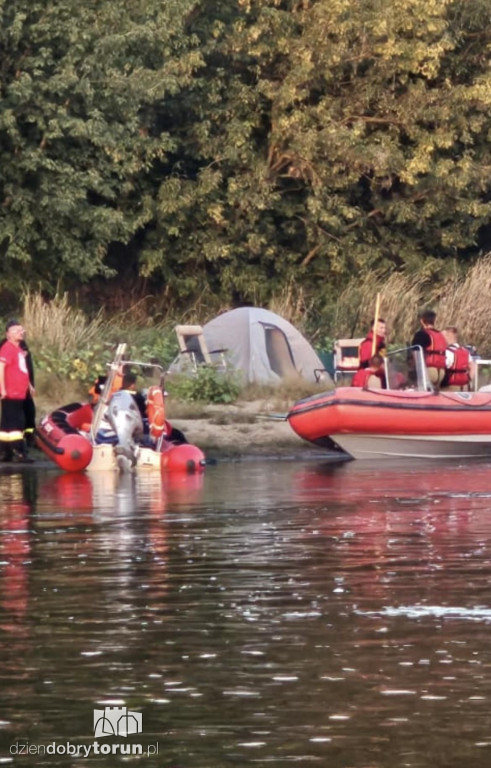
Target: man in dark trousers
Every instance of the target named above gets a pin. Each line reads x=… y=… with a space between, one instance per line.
x=29 y=404
x=14 y=389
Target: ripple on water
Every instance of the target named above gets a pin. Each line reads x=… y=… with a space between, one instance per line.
x=272 y=613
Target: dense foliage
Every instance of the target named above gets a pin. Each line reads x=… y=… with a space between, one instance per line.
x=236 y=147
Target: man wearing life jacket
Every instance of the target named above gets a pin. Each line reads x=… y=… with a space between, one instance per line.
x=366 y=350
x=460 y=367
x=433 y=344
x=371 y=377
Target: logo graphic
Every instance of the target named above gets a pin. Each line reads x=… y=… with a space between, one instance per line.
x=116 y=721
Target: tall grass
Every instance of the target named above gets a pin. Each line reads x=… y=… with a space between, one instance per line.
x=58 y=324
x=460 y=299
x=292 y=304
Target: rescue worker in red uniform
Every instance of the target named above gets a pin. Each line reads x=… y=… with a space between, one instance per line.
x=433 y=344
x=14 y=388
x=371 y=377
x=366 y=347
x=460 y=367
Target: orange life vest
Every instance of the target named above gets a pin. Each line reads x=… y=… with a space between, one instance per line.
x=458 y=373
x=435 y=353
x=156 y=412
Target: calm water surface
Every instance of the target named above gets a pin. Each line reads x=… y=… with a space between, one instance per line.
x=267 y=613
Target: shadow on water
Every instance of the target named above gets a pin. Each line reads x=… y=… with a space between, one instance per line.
x=262 y=613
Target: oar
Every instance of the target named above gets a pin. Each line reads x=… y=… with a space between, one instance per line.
x=375 y=324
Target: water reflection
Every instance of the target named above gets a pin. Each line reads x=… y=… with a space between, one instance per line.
x=266 y=612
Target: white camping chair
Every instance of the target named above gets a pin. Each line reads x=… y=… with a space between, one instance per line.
x=346 y=359
x=193 y=346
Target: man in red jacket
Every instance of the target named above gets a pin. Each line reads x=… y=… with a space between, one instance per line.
x=14 y=387
x=367 y=346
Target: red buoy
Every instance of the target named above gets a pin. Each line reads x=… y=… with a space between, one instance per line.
x=183 y=458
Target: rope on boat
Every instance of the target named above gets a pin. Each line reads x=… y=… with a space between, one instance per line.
x=455 y=397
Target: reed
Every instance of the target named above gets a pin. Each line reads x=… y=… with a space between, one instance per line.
x=58 y=324
x=465 y=304
x=460 y=299
x=292 y=304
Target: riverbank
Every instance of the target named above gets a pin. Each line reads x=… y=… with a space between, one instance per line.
x=244 y=429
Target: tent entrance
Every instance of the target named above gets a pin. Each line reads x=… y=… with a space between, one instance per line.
x=279 y=352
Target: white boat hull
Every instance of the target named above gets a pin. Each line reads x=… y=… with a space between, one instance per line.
x=369 y=446
x=104 y=458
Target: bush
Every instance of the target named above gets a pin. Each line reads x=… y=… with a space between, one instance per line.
x=206 y=385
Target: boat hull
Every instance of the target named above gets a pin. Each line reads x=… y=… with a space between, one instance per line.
x=183 y=457
x=385 y=423
x=414 y=447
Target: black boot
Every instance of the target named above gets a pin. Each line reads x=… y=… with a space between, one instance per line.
x=20 y=454
x=6 y=453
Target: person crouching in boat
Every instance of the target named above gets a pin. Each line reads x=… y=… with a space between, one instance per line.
x=371 y=377
x=433 y=344
x=460 y=367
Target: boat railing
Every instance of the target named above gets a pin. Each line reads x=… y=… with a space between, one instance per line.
x=405 y=369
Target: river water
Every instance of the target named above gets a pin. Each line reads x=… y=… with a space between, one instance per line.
x=266 y=613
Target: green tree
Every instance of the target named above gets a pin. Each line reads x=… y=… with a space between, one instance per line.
x=236 y=147
x=326 y=138
x=78 y=135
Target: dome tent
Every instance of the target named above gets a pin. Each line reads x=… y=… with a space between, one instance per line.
x=259 y=344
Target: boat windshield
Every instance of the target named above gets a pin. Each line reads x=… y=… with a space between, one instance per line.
x=405 y=369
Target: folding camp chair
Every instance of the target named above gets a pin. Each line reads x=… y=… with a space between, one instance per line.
x=346 y=359
x=192 y=345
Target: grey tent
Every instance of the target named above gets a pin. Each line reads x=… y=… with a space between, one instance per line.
x=258 y=343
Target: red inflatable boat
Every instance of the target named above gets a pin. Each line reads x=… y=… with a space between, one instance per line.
x=64 y=436
x=389 y=423
x=69 y=435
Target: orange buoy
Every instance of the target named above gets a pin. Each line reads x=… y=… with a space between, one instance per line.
x=183 y=458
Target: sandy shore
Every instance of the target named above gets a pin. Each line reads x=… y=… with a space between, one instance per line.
x=244 y=429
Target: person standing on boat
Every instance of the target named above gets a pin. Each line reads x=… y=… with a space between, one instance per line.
x=460 y=367
x=14 y=388
x=433 y=344
x=371 y=377
x=366 y=350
